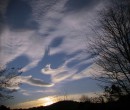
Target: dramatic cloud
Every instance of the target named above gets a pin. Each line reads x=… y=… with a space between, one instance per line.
x=48 y=37
x=81 y=69
x=66 y=29
x=28 y=80
x=48 y=70
x=88 y=72
x=24 y=92
x=57 y=75
x=35 y=82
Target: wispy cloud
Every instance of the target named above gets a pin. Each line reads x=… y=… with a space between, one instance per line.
x=57 y=75
x=49 y=70
x=85 y=67
x=35 y=82
x=55 y=23
x=28 y=80
x=24 y=92
x=88 y=72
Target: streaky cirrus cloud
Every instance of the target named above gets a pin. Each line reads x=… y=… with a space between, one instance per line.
x=47 y=91
x=54 y=21
x=62 y=26
x=28 y=80
x=57 y=75
x=35 y=82
x=91 y=71
x=24 y=92
x=49 y=70
x=72 y=70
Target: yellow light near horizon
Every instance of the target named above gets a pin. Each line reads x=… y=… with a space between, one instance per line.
x=47 y=101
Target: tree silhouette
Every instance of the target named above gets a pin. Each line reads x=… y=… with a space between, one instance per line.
x=112 y=46
x=85 y=98
x=7 y=77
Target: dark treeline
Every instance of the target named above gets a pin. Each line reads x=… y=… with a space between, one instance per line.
x=121 y=103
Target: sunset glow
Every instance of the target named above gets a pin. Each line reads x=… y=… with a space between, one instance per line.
x=48 y=101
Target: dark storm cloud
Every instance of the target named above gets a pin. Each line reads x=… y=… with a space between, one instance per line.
x=19 y=15
x=76 y=5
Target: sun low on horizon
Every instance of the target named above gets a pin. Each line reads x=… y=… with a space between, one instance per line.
x=47 y=101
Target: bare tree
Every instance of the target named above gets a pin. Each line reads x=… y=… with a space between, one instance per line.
x=85 y=98
x=7 y=77
x=112 y=45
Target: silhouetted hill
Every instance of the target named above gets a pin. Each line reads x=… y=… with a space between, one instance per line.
x=72 y=105
x=2 y=107
x=62 y=105
x=122 y=104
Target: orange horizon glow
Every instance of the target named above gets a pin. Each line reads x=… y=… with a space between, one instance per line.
x=46 y=101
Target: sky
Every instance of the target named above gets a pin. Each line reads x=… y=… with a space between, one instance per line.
x=48 y=40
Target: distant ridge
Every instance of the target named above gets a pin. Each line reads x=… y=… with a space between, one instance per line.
x=122 y=104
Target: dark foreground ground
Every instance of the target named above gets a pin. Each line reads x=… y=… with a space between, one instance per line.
x=122 y=104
